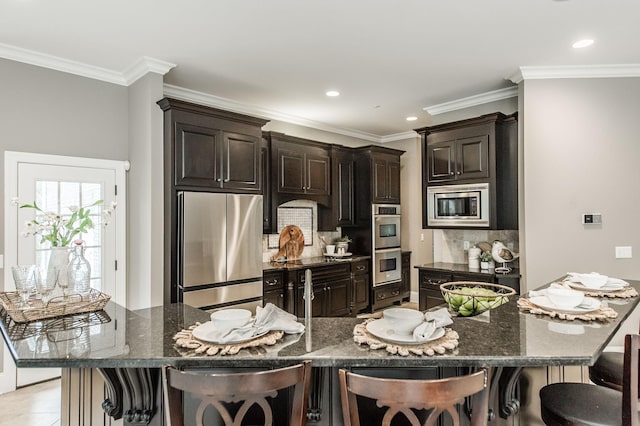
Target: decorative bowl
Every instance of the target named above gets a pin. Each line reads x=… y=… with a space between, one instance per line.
x=564 y=298
x=403 y=320
x=469 y=298
x=226 y=319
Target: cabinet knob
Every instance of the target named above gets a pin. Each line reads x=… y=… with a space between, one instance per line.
x=459 y=172
x=395 y=293
x=451 y=173
x=218 y=180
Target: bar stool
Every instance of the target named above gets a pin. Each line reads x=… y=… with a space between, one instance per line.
x=607 y=370
x=586 y=404
x=242 y=391
x=407 y=398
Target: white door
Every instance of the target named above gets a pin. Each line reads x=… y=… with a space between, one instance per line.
x=56 y=183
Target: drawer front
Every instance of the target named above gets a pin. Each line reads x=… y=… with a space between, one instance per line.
x=272 y=280
x=433 y=279
x=326 y=273
x=483 y=278
x=360 y=267
x=385 y=292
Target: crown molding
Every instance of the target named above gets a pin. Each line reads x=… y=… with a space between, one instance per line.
x=143 y=66
x=398 y=136
x=576 y=71
x=482 y=98
x=231 y=105
x=139 y=68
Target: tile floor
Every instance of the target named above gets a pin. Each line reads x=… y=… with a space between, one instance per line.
x=35 y=405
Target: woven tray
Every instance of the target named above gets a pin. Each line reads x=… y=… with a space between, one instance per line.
x=57 y=307
x=184 y=339
x=602 y=314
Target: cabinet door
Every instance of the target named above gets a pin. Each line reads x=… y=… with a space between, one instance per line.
x=343 y=168
x=241 y=162
x=441 y=161
x=393 y=182
x=380 y=181
x=406 y=275
x=197 y=154
x=275 y=296
x=429 y=288
x=291 y=171
x=266 y=187
x=337 y=298
x=472 y=157
x=360 y=292
x=317 y=180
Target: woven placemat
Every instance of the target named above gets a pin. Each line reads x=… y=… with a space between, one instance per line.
x=625 y=293
x=602 y=314
x=439 y=346
x=185 y=340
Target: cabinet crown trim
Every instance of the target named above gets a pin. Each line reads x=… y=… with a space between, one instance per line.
x=170 y=103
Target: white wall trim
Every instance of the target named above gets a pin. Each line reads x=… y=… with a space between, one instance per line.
x=398 y=136
x=470 y=101
x=132 y=73
x=576 y=71
x=231 y=105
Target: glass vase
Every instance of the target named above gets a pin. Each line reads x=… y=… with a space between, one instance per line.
x=79 y=272
x=57 y=267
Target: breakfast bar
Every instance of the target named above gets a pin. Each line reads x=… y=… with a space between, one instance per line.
x=128 y=347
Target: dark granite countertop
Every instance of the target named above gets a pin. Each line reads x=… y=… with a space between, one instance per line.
x=464 y=268
x=143 y=338
x=309 y=262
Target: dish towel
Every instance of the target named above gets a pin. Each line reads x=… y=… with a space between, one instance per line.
x=268 y=318
x=432 y=321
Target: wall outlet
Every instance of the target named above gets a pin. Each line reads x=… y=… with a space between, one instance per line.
x=422 y=236
x=625 y=252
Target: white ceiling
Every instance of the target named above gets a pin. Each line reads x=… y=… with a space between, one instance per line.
x=276 y=58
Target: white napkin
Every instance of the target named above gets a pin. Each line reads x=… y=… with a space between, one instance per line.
x=267 y=319
x=432 y=321
x=543 y=292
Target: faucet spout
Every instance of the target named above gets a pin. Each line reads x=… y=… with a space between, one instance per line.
x=308 y=299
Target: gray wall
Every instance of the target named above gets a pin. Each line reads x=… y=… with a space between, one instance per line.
x=50 y=112
x=581 y=152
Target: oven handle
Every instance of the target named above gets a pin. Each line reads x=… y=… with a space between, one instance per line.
x=382 y=216
x=388 y=250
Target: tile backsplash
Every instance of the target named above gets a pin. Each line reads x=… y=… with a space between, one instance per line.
x=448 y=244
x=302 y=213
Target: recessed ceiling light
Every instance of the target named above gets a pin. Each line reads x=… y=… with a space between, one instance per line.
x=582 y=43
x=412 y=118
x=333 y=93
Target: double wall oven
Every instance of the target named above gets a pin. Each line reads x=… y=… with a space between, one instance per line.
x=386 y=243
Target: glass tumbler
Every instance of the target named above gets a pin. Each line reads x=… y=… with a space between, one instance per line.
x=45 y=284
x=24 y=281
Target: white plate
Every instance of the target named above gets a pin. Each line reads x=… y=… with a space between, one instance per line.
x=338 y=255
x=380 y=328
x=613 y=284
x=589 y=304
x=205 y=330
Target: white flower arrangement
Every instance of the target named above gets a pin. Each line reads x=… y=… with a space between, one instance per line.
x=59 y=230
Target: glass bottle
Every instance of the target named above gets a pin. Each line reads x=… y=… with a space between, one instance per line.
x=79 y=271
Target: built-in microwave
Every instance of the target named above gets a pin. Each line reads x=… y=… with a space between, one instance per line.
x=458 y=205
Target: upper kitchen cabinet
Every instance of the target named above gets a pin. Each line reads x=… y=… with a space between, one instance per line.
x=378 y=179
x=210 y=149
x=456 y=157
x=300 y=169
x=342 y=173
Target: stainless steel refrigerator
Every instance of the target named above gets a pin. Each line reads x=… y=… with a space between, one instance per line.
x=220 y=254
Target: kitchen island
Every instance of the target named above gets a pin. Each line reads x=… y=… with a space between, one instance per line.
x=128 y=347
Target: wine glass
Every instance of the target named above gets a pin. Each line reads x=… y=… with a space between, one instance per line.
x=45 y=284
x=62 y=281
x=23 y=278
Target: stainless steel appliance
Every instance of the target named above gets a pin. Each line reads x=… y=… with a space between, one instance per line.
x=386 y=225
x=220 y=254
x=387 y=266
x=385 y=232
x=458 y=205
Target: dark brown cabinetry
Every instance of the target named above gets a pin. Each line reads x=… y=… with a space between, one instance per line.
x=268 y=207
x=273 y=288
x=386 y=295
x=386 y=178
x=405 y=288
x=342 y=173
x=430 y=280
x=360 y=286
x=478 y=150
x=331 y=290
x=212 y=149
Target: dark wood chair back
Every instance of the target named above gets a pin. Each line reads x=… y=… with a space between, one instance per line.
x=630 y=404
x=403 y=397
x=241 y=390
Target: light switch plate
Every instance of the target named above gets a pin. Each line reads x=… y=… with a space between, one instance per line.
x=1 y=261
x=591 y=219
x=625 y=252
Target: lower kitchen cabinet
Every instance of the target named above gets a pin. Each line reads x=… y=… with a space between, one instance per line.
x=273 y=288
x=430 y=280
x=405 y=288
x=331 y=290
x=386 y=295
x=360 y=286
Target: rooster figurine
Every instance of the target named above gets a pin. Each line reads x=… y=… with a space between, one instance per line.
x=502 y=254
